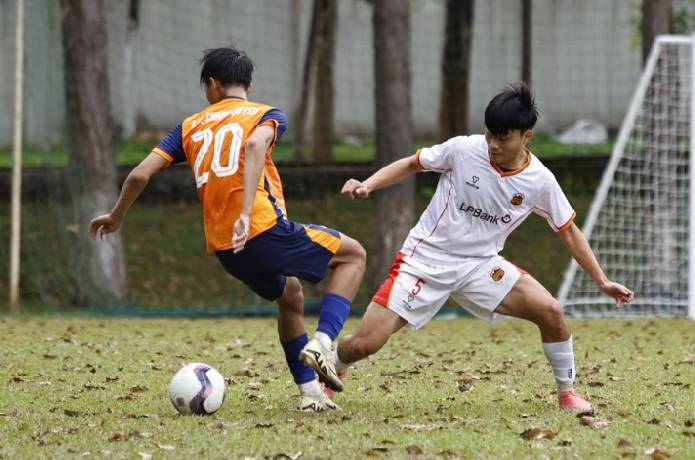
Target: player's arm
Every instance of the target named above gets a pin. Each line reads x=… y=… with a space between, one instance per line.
x=133 y=186
x=577 y=245
x=258 y=143
x=384 y=177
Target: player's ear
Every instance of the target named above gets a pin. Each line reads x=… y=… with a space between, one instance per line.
x=249 y=90
x=527 y=136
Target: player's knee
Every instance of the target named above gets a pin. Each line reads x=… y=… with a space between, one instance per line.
x=293 y=296
x=353 y=251
x=360 y=255
x=553 y=314
x=364 y=346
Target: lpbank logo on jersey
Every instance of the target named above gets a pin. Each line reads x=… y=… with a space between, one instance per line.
x=483 y=215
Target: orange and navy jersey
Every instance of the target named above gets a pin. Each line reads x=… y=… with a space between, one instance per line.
x=213 y=142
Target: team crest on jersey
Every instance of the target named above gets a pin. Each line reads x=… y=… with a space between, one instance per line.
x=517 y=199
x=497 y=274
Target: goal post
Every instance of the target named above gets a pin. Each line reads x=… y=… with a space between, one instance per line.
x=639 y=223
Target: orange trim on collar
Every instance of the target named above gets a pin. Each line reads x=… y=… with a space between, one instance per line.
x=513 y=172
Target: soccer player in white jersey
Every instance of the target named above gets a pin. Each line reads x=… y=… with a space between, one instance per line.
x=489 y=184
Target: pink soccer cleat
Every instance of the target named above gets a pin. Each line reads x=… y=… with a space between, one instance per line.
x=572 y=401
x=342 y=375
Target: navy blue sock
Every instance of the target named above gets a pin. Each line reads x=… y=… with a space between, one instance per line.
x=334 y=311
x=300 y=371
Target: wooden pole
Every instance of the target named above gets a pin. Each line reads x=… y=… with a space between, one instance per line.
x=16 y=218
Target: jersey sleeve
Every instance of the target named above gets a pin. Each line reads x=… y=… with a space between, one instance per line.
x=171 y=146
x=277 y=119
x=438 y=157
x=554 y=206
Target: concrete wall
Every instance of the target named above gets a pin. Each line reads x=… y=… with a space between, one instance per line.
x=585 y=63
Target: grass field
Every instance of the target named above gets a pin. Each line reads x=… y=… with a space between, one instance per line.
x=97 y=388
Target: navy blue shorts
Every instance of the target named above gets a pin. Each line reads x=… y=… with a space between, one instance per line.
x=287 y=249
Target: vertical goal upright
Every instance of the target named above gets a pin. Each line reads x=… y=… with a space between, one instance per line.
x=640 y=219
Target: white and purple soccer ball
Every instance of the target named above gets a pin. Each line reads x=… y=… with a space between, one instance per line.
x=197 y=389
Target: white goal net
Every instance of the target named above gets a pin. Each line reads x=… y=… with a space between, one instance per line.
x=639 y=222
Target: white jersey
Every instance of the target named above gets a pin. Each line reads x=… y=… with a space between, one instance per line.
x=477 y=205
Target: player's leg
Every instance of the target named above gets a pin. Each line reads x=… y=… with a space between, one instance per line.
x=409 y=295
x=377 y=325
x=293 y=338
x=529 y=300
x=289 y=295
x=347 y=265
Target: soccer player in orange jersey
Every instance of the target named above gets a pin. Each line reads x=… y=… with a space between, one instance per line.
x=228 y=147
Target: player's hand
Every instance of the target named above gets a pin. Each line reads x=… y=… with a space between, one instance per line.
x=240 y=233
x=354 y=188
x=620 y=293
x=103 y=225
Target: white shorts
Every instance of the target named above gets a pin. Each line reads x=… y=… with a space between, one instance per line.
x=417 y=291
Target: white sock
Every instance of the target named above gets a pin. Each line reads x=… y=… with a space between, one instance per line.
x=339 y=365
x=312 y=388
x=561 y=357
x=325 y=340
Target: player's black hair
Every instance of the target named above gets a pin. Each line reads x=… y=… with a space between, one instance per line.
x=513 y=108
x=228 y=65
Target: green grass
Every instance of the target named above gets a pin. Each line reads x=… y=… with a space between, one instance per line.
x=75 y=387
x=131 y=152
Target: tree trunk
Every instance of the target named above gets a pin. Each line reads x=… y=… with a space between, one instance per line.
x=100 y=271
x=323 y=105
x=391 y=22
x=309 y=64
x=453 y=108
x=656 y=20
x=526 y=28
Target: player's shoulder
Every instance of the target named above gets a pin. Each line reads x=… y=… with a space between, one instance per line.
x=461 y=146
x=542 y=173
x=473 y=140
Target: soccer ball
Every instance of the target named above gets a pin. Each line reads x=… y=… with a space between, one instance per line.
x=197 y=389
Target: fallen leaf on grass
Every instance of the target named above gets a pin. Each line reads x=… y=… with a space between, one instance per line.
x=118 y=437
x=656 y=454
x=71 y=413
x=284 y=456
x=244 y=372
x=536 y=432
x=263 y=425
x=414 y=450
x=137 y=389
x=594 y=423
x=624 y=444
x=623 y=413
x=419 y=427
x=465 y=384
x=49 y=356
x=93 y=386
x=377 y=451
